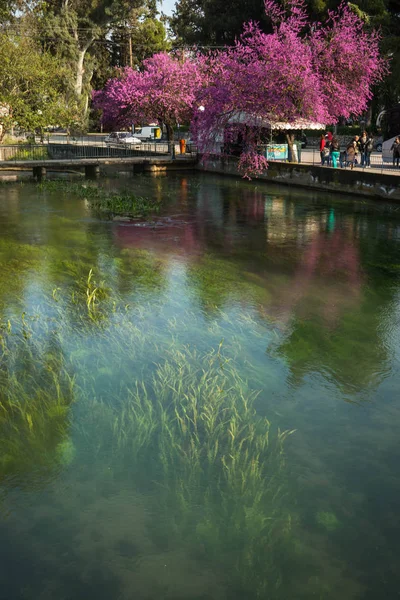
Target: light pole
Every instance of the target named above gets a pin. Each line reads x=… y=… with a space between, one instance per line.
x=201 y=109
x=40 y=112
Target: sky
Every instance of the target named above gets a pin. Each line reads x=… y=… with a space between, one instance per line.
x=167 y=6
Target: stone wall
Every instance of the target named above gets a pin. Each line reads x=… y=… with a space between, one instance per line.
x=361 y=183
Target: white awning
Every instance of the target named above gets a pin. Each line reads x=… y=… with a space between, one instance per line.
x=257 y=121
x=299 y=124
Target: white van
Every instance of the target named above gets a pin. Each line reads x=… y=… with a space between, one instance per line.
x=151 y=132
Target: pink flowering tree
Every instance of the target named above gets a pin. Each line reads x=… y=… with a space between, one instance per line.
x=301 y=71
x=165 y=91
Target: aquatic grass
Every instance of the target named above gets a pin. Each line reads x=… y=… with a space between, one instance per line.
x=183 y=429
x=348 y=356
x=123 y=203
x=193 y=430
x=94 y=292
x=138 y=269
x=36 y=392
x=188 y=430
x=185 y=462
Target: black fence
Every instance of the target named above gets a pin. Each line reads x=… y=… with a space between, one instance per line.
x=94 y=149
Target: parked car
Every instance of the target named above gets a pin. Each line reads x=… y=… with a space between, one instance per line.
x=122 y=137
x=378 y=144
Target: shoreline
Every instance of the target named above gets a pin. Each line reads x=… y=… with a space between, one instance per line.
x=366 y=184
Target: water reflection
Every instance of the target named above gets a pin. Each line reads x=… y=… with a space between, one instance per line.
x=298 y=294
x=306 y=275
x=305 y=268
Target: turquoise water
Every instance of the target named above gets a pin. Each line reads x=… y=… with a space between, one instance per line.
x=203 y=405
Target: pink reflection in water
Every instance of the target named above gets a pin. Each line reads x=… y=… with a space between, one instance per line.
x=327 y=279
x=166 y=236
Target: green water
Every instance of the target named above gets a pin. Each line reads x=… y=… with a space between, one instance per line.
x=202 y=406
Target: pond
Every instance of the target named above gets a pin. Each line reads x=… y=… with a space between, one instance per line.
x=203 y=405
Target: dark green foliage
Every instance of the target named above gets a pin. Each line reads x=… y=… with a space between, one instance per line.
x=32 y=85
x=213 y=22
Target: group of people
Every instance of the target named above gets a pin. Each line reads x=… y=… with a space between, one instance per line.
x=357 y=152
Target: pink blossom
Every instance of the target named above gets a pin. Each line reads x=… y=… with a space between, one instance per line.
x=302 y=70
x=165 y=91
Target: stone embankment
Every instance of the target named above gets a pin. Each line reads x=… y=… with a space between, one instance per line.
x=363 y=183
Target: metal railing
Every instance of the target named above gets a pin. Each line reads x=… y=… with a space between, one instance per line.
x=82 y=149
x=377 y=161
x=21 y=152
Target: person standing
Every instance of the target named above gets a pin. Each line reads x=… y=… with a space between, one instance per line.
x=327 y=149
x=322 y=148
x=396 y=151
x=335 y=151
x=362 y=143
x=369 y=146
x=356 y=142
x=351 y=153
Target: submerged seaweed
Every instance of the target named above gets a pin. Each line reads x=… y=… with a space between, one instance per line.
x=186 y=433
x=123 y=203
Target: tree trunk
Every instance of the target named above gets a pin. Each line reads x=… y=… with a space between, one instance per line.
x=170 y=132
x=79 y=72
x=130 y=50
x=86 y=105
x=293 y=156
x=368 y=120
x=170 y=138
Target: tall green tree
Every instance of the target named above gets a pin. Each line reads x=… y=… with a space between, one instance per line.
x=33 y=92
x=213 y=22
x=139 y=37
x=73 y=30
x=219 y=22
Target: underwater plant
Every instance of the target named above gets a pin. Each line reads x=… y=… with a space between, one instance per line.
x=193 y=431
x=113 y=203
x=177 y=423
x=328 y=520
x=36 y=392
